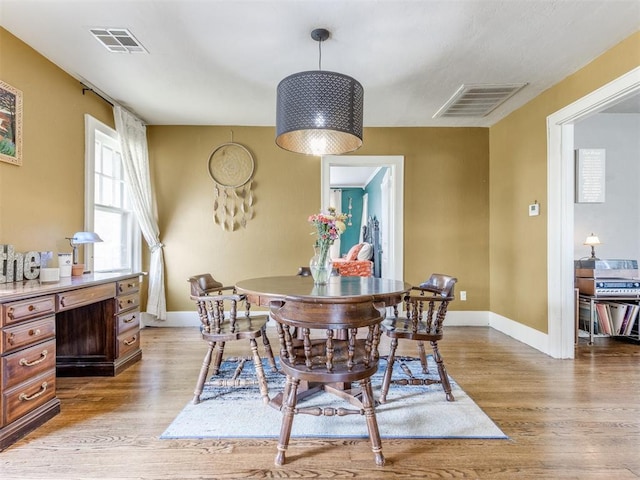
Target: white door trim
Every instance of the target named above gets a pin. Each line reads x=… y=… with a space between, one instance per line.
x=560 y=196
x=396 y=165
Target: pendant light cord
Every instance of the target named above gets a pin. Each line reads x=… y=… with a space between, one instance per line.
x=320 y=54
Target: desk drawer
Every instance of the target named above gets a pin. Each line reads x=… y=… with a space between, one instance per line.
x=27 y=309
x=21 y=399
x=85 y=296
x=128 y=286
x=27 y=333
x=127 y=302
x=128 y=342
x=129 y=320
x=28 y=363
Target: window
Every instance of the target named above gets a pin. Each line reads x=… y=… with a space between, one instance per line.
x=107 y=208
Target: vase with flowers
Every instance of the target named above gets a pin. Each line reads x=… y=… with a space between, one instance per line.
x=328 y=228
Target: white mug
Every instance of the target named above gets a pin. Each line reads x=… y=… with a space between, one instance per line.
x=65 y=261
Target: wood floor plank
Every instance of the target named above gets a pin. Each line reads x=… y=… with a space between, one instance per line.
x=566 y=419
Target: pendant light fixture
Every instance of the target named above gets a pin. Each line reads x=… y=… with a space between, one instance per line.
x=319 y=112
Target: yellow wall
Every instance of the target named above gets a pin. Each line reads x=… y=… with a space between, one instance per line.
x=449 y=212
x=446 y=205
x=518 y=177
x=41 y=202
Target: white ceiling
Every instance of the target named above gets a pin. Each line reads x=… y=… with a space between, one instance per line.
x=219 y=62
x=351 y=176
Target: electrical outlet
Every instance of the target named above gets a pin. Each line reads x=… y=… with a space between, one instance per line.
x=463 y=295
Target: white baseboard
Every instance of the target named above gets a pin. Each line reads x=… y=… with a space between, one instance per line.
x=527 y=335
x=518 y=331
x=459 y=318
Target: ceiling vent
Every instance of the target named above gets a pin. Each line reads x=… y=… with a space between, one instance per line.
x=118 y=40
x=477 y=100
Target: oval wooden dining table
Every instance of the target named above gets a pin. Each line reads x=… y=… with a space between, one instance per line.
x=262 y=291
x=326 y=304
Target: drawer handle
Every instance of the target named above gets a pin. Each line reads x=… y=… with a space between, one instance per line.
x=34 y=332
x=62 y=301
x=131 y=342
x=129 y=320
x=128 y=302
x=12 y=339
x=10 y=311
x=24 y=397
x=129 y=286
x=26 y=363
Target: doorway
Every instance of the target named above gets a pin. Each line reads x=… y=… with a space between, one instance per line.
x=395 y=209
x=560 y=197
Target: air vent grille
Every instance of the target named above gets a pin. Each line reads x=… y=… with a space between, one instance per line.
x=477 y=100
x=118 y=40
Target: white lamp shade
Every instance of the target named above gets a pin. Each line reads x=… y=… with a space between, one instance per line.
x=85 y=237
x=592 y=240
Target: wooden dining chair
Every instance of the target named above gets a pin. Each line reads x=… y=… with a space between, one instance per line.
x=217 y=328
x=316 y=360
x=426 y=309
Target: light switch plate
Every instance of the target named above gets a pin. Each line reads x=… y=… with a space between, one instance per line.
x=534 y=209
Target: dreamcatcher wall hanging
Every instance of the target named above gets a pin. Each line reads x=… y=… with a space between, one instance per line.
x=231 y=168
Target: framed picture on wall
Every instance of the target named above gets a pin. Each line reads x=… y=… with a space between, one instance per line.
x=590 y=175
x=10 y=124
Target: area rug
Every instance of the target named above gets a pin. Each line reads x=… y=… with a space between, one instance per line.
x=410 y=411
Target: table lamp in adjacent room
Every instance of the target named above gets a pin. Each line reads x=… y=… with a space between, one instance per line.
x=78 y=239
x=592 y=240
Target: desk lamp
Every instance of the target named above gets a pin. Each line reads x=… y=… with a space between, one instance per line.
x=78 y=239
x=592 y=240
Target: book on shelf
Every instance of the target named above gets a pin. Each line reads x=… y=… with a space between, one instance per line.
x=584 y=315
x=630 y=319
x=602 y=309
x=617 y=312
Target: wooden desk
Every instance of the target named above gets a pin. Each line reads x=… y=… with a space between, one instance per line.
x=80 y=326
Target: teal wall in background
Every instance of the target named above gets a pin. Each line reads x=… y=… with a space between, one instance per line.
x=375 y=197
x=351 y=236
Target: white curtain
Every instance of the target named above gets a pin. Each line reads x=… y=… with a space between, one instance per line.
x=335 y=201
x=135 y=159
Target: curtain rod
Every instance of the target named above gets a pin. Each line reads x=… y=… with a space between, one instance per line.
x=89 y=89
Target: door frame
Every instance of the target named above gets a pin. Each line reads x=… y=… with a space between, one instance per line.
x=560 y=197
x=396 y=166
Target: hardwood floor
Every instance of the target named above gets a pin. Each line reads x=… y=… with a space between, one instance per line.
x=566 y=419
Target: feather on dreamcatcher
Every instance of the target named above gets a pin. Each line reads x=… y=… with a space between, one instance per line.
x=231 y=167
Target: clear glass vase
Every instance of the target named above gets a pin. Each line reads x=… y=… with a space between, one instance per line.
x=320 y=266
